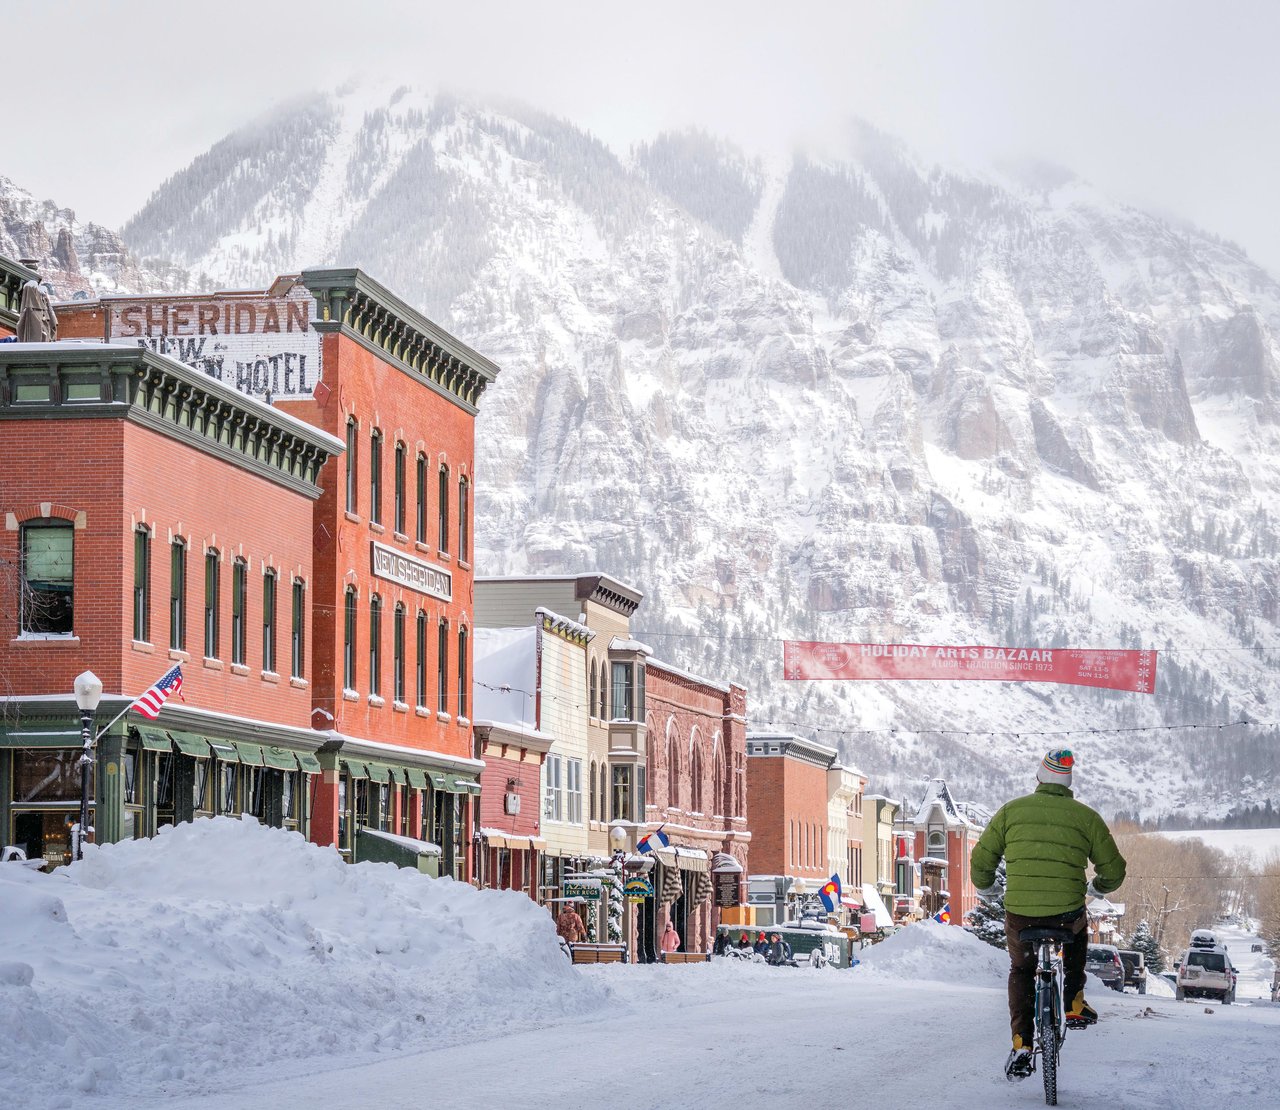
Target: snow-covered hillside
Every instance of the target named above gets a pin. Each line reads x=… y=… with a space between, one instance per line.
x=845 y=396
x=76 y=258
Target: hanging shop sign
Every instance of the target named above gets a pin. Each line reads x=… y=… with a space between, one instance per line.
x=639 y=890
x=1134 y=671
x=587 y=891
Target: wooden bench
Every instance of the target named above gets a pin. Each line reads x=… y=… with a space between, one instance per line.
x=686 y=957
x=598 y=953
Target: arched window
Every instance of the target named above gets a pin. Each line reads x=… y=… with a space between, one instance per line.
x=349 y=639
x=591 y=700
x=463 y=688
x=352 y=441
x=695 y=776
x=673 y=773
x=593 y=790
x=375 y=646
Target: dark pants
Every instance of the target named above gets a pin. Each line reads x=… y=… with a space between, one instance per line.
x=1022 y=966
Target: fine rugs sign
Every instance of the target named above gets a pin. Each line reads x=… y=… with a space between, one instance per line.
x=1134 y=671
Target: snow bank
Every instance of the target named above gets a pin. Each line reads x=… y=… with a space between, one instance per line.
x=930 y=950
x=164 y=964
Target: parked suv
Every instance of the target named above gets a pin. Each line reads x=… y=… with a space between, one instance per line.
x=1135 y=969
x=1104 y=961
x=1205 y=971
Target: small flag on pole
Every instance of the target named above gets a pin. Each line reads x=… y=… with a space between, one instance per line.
x=148 y=703
x=830 y=893
x=655 y=840
x=943 y=916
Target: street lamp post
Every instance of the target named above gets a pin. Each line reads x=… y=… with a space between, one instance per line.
x=88 y=688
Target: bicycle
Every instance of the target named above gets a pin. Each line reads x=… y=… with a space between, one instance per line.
x=1050 y=1013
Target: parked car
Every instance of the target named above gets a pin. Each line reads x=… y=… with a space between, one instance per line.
x=1135 y=969
x=1103 y=960
x=1206 y=972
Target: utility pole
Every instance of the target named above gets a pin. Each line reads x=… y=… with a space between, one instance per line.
x=1160 y=924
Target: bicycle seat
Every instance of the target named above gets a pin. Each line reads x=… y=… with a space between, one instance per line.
x=1035 y=936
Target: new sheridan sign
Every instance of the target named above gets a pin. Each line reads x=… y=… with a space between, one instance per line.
x=425 y=578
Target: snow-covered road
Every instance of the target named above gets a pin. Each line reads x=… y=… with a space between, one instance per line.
x=222 y=966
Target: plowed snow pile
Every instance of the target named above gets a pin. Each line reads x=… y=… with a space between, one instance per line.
x=929 y=950
x=161 y=963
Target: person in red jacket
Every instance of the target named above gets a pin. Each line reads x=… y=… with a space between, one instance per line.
x=569 y=925
x=670 y=939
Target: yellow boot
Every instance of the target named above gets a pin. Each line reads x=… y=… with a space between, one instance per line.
x=1081 y=1013
x=1018 y=1066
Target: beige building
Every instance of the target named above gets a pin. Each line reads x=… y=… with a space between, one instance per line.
x=879 y=814
x=845 y=827
x=610 y=704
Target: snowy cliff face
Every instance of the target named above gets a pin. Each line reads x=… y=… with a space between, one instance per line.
x=74 y=257
x=845 y=397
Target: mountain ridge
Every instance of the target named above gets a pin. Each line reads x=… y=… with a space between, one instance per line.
x=844 y=397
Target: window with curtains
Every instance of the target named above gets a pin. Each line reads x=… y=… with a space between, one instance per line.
x=375 y=476
x=47 y=604
x=142 y=584
x=420 y=667
x=420 y=506
x=622 y=793
x=623 y=690
x=397 y=660
x=178 y=594
x=464 y=520
x=443 y=495
x=269 y=580
x=239 y=590
x=212 y=594
x=442 y=668
x=398 y=522
x=297 y=642
x=349 y=638
x=462 y=672
x=375 y=646
x=353 y=443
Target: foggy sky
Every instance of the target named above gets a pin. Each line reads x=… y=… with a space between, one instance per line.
x=1173 y=106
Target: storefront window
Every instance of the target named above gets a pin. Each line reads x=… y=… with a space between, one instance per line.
x=227 y=788
x=47 y=776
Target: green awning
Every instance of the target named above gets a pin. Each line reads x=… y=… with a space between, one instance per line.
x=250 y=754
x=356 y=769
x=437 y=779
x=188 y=743
x=417 y=778
x=379 y=772
x=308 y=763
x=461 y=784
x=20 y=734
x=225 y=750
x=280 y=758
x=154 y=739
x=397 y=775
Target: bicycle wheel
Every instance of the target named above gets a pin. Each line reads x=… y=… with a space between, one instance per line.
x=1047 y=1020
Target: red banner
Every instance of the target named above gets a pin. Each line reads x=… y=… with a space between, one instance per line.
x=1134 y=671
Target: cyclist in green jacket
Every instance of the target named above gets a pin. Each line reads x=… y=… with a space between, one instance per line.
x=1046 y=839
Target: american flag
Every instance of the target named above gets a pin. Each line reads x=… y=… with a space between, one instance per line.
x=148 y=703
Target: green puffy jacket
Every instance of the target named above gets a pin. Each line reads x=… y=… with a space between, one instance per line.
x=1046 y=839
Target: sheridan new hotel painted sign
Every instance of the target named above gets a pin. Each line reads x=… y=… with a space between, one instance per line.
x=263 y=346
x=425 y=578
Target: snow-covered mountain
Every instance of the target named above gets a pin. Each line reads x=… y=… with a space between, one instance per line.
x=74 y=257
x=845 y=396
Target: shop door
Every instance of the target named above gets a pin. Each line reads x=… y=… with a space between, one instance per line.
x=646 y=931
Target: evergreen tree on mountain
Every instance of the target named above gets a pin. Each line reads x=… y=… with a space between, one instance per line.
x=986 y=919
x=1143 y=941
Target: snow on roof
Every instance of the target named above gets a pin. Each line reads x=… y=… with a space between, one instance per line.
x=623 y=643
x=937 y=794
x=423 y=847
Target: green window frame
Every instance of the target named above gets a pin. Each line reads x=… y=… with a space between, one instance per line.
x=48 y=578
x=142 y=584
x=239 y=591
x=212 y=578
x=178 y=594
